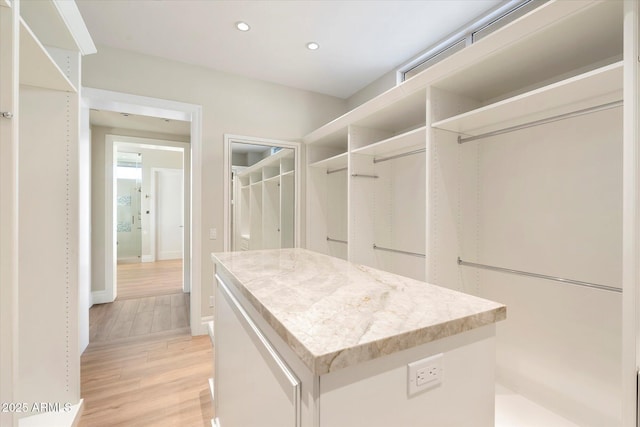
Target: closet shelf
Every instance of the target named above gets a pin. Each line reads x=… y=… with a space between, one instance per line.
x=273 y=160
x=339 y=161
x=42 y=71
x=272 y=179
x=593 y=88
x=396 y=144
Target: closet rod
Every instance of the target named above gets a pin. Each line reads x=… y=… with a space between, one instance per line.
x=335 y=170
x=358 y=175
x=380 y=248
x=540 y=276
x=329 y=239
x=589 y=110
x=409 y=153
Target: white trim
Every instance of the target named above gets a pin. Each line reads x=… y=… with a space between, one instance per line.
x=110 y=248
x=112 y=144
x=630 y=215
x=226 y=182
x=203 y=327
x=100 y=297
x=134 y=104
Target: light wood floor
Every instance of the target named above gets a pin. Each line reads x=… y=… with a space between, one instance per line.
x=140 y=279
x=142 y=366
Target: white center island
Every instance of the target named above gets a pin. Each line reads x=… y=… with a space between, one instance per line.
x=307 y=340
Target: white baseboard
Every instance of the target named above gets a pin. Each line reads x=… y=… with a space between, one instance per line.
x=61 y=418
x=203 y=327
x=170 y=255
x=100 y=297
x=148 y=258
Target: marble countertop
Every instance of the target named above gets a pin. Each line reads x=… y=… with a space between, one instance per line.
x=333 y=313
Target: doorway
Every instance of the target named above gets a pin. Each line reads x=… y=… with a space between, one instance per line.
x=105 y=260
x=262 y=193
x=149 y=230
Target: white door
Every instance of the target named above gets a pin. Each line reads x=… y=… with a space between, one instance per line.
x=169 y=213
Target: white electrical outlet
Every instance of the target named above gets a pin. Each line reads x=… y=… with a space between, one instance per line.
x=211 y=301
x=424 y=374
x=213 y=233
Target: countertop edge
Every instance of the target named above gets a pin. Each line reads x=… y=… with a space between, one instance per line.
x=333 y=361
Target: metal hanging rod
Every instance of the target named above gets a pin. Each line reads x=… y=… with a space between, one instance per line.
x=329 y=239
x=541 y=276
x=358 y=175
x=589 y=110
x=335 y=170
x=380 y=248
x=409 y=153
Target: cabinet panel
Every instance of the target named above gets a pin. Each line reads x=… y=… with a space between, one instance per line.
x=254 y=386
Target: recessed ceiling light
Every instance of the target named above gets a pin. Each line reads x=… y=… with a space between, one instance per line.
x=313 y=46
x=242 y=26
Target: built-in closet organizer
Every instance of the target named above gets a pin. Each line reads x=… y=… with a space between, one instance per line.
x=327 y=200
x=265 y=203
x=525 y=207
x=387 y=188
x=366 y=188
x=50 y=236
x=529 y=213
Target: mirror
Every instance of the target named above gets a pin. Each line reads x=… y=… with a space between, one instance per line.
x=262 y=197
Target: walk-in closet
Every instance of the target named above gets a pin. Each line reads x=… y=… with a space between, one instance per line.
x=498 y=172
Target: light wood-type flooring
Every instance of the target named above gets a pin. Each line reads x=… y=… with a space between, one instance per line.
x=141 y=279
x=142 y=366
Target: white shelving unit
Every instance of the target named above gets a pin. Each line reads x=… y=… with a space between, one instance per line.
x=41 y=154
x=264 y=214
x=588 y=90
x=509 y=154
x=359 y=205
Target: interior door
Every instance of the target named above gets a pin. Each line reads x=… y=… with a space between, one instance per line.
x=169 y=213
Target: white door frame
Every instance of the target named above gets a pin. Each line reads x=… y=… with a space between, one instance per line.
x=295 y=146
x=133 y=104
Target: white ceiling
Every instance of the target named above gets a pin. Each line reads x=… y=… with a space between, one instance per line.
x=359 y=40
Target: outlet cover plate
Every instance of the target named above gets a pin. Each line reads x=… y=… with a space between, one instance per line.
x=424 y=374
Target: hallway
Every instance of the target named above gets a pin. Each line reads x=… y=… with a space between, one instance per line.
x=142 y=366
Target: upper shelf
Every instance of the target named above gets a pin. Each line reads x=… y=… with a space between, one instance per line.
x=586 y=90
x=395 y=144
x=273 y=160
x=59 y=24
x=38 y=68
x=335 y=162
x=523 y=54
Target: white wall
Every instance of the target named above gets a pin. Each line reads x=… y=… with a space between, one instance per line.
x=231 y=104
x=382 y=84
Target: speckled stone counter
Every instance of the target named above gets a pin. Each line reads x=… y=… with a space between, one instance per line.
x=334 y=314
